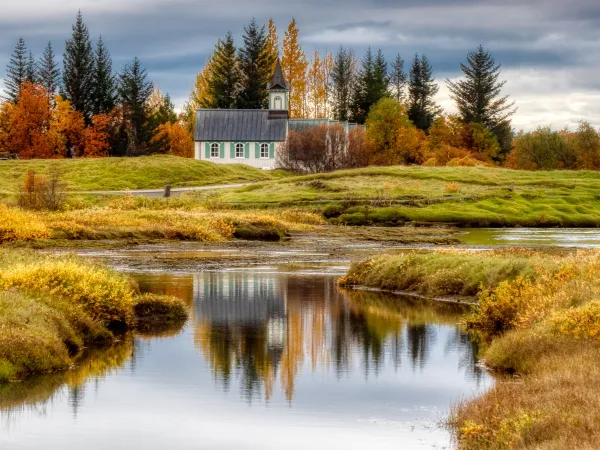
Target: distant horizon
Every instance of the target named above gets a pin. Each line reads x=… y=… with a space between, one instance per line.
x=546 y=48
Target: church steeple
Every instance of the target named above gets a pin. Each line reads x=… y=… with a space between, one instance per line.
x=278 y=90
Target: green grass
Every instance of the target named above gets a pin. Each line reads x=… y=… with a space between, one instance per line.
x=151 y=172
x=465 y=196
x=444 y=273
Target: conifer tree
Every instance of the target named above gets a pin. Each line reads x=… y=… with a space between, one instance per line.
x=16 y=71
x=272 y=45
x=31 y=74
x=255 y=68
x=422 y=110
x=48 y=71
x=342 y=78
x=104 y=85
x=478 y=95
x=398 y=79
x=363 y=88
x=224 y=80
x=134 y=90
x=294 y=65
x=371 y=86
x=78 y=69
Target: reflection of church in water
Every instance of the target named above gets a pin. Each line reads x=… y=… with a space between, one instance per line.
x=230 y=298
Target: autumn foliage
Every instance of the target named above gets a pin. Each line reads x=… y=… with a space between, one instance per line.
x=38 y=127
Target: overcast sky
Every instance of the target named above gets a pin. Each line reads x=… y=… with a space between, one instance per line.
x=549 y=49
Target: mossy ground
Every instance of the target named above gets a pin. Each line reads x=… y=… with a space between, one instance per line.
x=464 y=196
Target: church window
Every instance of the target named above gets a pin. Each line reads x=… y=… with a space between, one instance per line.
x=239 y=150
x=278 y=104
x=264 y=150
x=214 y=150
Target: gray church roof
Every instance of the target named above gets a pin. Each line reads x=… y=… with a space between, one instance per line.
x=238 y=125
x=278 y=80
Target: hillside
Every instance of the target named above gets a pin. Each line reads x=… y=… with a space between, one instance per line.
x=130 y=173
x=465 y=196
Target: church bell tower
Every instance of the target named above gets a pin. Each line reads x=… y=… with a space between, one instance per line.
x=279 y=95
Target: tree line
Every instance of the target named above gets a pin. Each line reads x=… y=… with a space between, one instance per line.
x=343 y=87
x=84 y=108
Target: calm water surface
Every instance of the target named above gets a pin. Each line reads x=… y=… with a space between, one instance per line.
x=272 y=357
x=534 y=237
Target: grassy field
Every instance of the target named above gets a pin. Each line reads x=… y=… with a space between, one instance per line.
x=465 y=196
x=537 y=316
x=91 y=174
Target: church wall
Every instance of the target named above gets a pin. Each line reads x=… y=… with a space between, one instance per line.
x=227 y=149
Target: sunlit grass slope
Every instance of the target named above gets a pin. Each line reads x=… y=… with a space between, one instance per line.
x=131 y=173
x=467 y=196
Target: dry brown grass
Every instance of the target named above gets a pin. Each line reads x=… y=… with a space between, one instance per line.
x=555 y=406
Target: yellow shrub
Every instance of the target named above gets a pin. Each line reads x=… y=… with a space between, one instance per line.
x=452 y=187
x=103 y=293
x=582 y=322
x=18 y=225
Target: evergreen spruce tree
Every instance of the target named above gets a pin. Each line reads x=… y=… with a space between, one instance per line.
x=421 y=90
x=381 y=79
x=362 y=87
x=78 y=69
x=134 y=90
x=103 y=96
x=16 y=72
x=398 y=79
x=48 y=71
x=342 y=78
x=31 y=74
x=371 y=85
x=255 y=68
x=223 y=85
x=478 y=95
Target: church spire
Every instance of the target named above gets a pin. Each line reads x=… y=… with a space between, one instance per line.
x=278 y=80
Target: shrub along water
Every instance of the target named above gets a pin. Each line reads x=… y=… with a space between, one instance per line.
x=51 y=307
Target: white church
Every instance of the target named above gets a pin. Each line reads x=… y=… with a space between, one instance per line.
x=251 y=136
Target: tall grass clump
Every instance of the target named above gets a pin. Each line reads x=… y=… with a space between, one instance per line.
x=104 y=294
x=442 y=273
x=53 y=306
x=18 y=225
x=41 y=332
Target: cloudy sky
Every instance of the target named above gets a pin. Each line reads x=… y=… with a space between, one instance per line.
x=549 y=49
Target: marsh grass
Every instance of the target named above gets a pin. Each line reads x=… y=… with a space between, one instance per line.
x=51 y=307
x=442 y=273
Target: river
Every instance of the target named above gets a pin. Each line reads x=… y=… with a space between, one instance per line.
x=272 y=357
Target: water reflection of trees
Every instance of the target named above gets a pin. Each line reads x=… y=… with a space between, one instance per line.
x=262 y=330
x=36 y=392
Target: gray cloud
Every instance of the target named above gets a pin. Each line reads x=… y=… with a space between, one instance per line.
x=548 y=48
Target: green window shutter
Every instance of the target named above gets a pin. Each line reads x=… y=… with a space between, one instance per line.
x=257 y=150
x=247 y=150
x=222 y=150
x=207 y=150
x=232 y=150
x=272 y=150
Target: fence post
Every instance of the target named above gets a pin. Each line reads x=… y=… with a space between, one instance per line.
x=167 y=191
